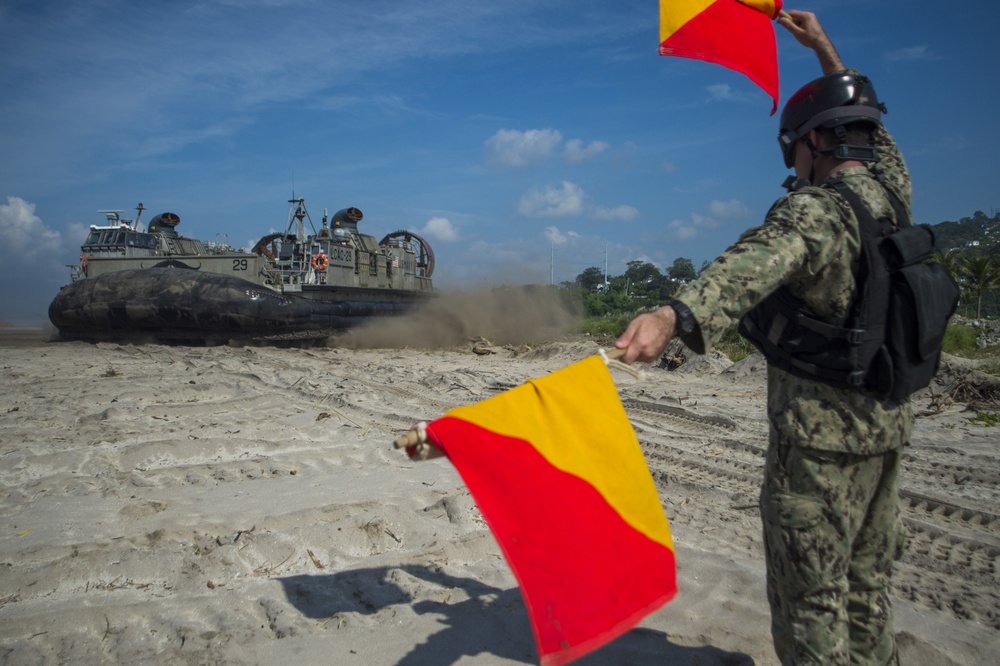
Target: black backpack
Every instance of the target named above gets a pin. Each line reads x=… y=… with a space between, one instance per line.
x=889 y=345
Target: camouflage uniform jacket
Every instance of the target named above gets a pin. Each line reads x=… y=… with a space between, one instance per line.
x=811 y=243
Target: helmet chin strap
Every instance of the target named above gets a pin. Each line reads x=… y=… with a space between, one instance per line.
x=793 y=183
x=816 y=152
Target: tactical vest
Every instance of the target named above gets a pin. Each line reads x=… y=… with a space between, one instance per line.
x=889 y=344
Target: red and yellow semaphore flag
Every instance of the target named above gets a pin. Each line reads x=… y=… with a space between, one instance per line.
x=559 y=476
x=733 y=33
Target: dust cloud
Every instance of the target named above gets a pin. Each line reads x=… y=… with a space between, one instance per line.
x=502 y=315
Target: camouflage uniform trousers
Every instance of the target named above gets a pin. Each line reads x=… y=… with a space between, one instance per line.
x=832 y=530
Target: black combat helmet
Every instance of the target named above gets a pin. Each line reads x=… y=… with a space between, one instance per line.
x=829 y=101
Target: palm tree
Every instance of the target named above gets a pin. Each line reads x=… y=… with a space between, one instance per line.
x=984 y=274
x=950 y=260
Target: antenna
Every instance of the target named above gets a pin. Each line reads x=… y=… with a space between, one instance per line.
x=140 y=208
x=605 y=267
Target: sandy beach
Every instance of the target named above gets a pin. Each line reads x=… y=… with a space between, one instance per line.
x=244 y=504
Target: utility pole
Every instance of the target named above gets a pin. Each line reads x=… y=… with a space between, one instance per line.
x=552 y=263
x=605 y=267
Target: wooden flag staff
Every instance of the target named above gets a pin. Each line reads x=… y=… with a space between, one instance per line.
x=781 y=13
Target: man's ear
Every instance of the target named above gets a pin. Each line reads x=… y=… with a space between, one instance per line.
x=817 y=139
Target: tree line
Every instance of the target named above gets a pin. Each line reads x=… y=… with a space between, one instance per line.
x=978 y=276
x=642 y=284
x=968 y=249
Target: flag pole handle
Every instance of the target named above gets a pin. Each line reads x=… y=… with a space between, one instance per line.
x=611 y=357
x=407 y=439
x=417 y=444
x=781 y=12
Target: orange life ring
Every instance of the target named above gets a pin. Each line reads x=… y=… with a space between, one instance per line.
x=320 y=262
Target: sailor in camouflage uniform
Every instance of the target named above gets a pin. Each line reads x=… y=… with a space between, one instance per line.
x=829 y=503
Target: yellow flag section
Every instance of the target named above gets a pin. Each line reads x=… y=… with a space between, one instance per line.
x=737 y=35
x=559 y=476
x=676 y=13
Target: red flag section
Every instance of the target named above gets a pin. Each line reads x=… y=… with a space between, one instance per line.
x=736 y=34
x=559 y=476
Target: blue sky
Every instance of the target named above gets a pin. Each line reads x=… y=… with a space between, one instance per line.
x=525 y=139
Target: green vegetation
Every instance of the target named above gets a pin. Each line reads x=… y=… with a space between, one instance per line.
x=734 y=345
x=606 y=325
x=986 y=419
x=641 y=288
x=968 y=249
x=960 y=340
x=607 y=314
x=976 y=231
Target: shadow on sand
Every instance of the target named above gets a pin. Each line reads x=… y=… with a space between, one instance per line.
x=490 y=621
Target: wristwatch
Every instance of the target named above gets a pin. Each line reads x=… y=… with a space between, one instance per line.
x=685 y=319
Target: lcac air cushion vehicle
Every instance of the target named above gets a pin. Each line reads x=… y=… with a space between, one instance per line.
x=157 y=284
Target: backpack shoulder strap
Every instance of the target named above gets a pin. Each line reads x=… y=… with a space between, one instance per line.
x=861 y=211
x=872 y=279
x=868 y=225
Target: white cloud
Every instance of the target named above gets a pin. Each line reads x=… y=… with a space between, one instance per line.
x=554 y=236
x=575 y=151
x=704 y=221
x=169 y=143
x=718 y=213
x=722 y=92
x=563 y=201
x=620 y=213
x=910 y=53
x=440 y=228
x=23 y=233
x=568 y=199
x=683 y=230
x=728 y=210
x=77 y=231
x=515 y=148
